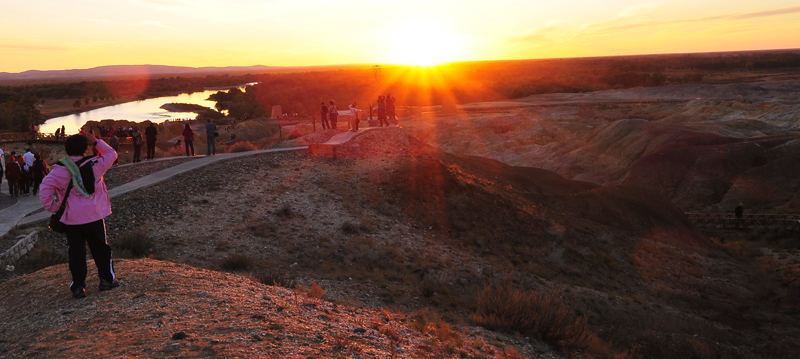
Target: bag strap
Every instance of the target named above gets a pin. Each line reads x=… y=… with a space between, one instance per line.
x=64 y=202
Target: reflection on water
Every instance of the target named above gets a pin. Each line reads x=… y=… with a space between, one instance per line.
x=133 y=111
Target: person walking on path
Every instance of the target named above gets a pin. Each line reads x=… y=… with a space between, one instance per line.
x=136 y=138
x=12 y=176
x=150 y=134
x=353 y=117
x=323 y=115
x=211 y=138
x=188 y=139
x=24 y=176
x=87 y=204
x=333 y=112
x=63 y=132
x=38 y=172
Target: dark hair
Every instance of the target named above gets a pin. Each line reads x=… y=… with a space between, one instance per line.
x=187 y=126
x=36 y=156
x=76 y=145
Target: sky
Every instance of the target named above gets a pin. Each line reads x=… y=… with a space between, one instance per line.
x=76 y=34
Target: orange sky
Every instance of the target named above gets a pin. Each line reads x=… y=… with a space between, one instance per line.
x=55 y=34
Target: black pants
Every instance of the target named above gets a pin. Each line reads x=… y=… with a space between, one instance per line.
x=189 y=144
x=93 y=234
x=325 y=124
x=36 y=183
x=151 y=150
x=13 y=187
x=137 y=153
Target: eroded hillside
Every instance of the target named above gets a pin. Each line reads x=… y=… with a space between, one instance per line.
x=704 y=147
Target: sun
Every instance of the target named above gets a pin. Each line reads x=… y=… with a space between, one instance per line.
x=423 y=43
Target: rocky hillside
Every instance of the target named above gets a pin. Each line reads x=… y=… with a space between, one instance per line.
x=708 y=153
x=399 y=224
x=166 y=309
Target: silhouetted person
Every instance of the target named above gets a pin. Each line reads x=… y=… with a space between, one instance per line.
x=136 y=138
x=353 y=117
x=150 y=134
x=739 y=211
x=211 y=138
x=333 y=112
x=87 y=204
x=188 y=139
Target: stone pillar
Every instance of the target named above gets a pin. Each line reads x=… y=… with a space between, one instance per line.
x=276 y=112
x=449 y=104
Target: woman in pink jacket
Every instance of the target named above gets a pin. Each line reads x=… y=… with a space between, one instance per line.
x=87 y=206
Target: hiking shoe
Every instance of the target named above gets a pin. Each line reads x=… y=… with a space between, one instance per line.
x=104 y=285
x=78 y=293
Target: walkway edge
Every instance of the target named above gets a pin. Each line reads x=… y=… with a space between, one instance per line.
x=158 y=177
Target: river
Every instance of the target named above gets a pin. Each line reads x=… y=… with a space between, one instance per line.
x=137 y=111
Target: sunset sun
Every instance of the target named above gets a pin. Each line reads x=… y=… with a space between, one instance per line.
x=423 y=43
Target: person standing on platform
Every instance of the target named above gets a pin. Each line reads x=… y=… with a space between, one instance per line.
x=211 y=134
x=150 y=134
x=137 y=140
x=333 y=112
x=188 y=139
x=323 y=115
x=353 y=117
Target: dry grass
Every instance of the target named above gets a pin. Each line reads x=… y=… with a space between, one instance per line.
x=237 y=262
x=133 y=244
x=548 y=316
x=274 y=277
x=42 y=256
x=241 y=146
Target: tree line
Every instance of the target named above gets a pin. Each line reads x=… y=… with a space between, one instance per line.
x=302 y=92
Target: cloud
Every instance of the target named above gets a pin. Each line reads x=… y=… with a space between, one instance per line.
x=629 y=20
x=17 y=47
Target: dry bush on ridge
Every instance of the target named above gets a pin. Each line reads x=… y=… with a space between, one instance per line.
x=42 y=256
x=133 y=244
x=237 y=262
x=274 y=277
x=241 y=146
x=546 y=316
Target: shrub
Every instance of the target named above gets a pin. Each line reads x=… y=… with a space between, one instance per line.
x=315 y=291
x=546 y=316
x=42 y=256
x=134 y=244
x=285 y=211
x=350 y=228
x=274 y=277
x=175 y=151
x=242 y=146
x=237 y=262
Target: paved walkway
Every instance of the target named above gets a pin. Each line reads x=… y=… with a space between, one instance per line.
x=16 y=214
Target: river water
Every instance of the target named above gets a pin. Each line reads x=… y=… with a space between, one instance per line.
x=132 y=111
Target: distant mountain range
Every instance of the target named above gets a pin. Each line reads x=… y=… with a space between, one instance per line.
x=127 y=70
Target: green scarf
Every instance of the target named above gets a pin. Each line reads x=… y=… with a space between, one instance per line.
x=77 y=181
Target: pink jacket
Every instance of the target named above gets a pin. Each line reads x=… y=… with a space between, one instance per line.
x=80 y=210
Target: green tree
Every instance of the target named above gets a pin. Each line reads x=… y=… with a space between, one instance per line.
x=77 y=103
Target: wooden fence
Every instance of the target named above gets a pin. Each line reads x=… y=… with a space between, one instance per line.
x=29 y=136
x=789 y=222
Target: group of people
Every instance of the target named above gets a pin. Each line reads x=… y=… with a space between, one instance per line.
x=329 y=114
x=24 y=171
x=386 y=110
